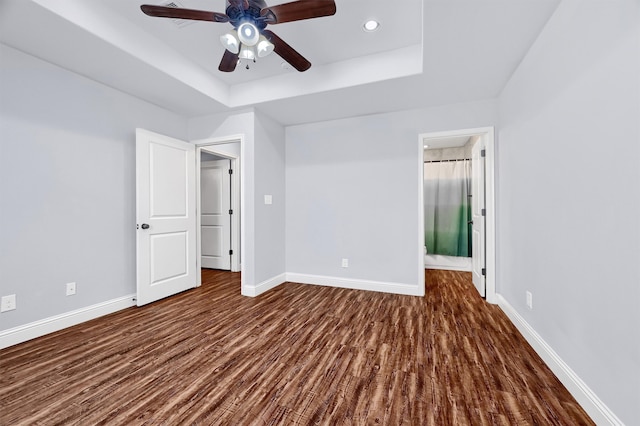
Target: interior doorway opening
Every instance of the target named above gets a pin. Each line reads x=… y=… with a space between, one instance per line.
x=208 y=153
x=457 y=216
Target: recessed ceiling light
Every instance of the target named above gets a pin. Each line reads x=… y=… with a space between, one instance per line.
x=371 y=25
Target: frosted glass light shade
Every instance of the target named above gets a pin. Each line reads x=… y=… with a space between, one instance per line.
x=248 y=34
x=230 y=42
x=264 y=47
x=246 y=52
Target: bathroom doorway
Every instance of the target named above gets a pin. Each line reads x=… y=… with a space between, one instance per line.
x=457 y=199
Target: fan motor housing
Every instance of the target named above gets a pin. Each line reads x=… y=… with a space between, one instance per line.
x=240 y=11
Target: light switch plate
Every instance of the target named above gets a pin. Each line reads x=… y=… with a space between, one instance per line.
x=71 y=289
x=268 y=199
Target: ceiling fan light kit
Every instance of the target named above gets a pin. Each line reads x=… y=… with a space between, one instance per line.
x=264 y=47
x=247 y=53
x=248 y=34
x=249 y=18
x=230 y=41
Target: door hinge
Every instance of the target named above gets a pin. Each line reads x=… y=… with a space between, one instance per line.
x=230 y=171
x=230 y=252
x=484 y=271
x=483 y=153
x=230 y=211
x=484 y=212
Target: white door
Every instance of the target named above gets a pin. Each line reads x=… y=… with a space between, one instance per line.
x=166 y=216
x=478 y=216
x=215 y=199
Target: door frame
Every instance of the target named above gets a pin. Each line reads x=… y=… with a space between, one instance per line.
x=237 y=200
x=490 y=219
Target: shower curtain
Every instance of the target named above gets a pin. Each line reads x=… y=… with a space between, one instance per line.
x=447 y=207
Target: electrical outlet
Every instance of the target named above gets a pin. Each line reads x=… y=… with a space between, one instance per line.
x=529 y=300
x=71 y=289
x=345 y=263
x=8 y=303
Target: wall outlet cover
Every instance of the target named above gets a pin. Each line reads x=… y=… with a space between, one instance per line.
x=8 y=303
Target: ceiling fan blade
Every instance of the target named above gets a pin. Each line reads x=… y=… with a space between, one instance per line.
x=228 y=62
x=298 y=10
x=179 y=13
x=287 y=52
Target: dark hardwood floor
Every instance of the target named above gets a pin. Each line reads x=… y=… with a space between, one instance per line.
x=298 y=354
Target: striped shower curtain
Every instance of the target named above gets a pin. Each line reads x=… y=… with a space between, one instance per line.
x=447 y=207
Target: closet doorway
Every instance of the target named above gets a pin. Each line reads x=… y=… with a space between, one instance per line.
x=457 y=217
x=224 y=150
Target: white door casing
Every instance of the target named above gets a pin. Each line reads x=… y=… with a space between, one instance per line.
x=477 y=209
x=215 y=196
x=165 y=215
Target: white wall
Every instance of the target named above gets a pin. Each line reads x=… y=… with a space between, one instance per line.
x=270 y=219
x=569 y=195
x=222 y=125
x=67 y=187
x=262 y=173
x=352 y=192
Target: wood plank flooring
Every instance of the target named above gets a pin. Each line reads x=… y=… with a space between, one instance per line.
x=296 y=355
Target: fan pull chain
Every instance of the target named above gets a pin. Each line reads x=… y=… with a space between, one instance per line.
x=254 y=61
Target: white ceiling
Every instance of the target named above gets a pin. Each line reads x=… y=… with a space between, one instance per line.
x=426 y=53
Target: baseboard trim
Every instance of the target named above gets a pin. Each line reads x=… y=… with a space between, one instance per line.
x=448 y=268
x=42 y=327
x=599 y=412
x=447 y=263
x=253 y=291
x=356 y=284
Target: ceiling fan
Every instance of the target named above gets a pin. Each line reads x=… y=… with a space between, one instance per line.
x=249 y=18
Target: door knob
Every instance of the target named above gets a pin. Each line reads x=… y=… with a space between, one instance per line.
x=145 y=226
